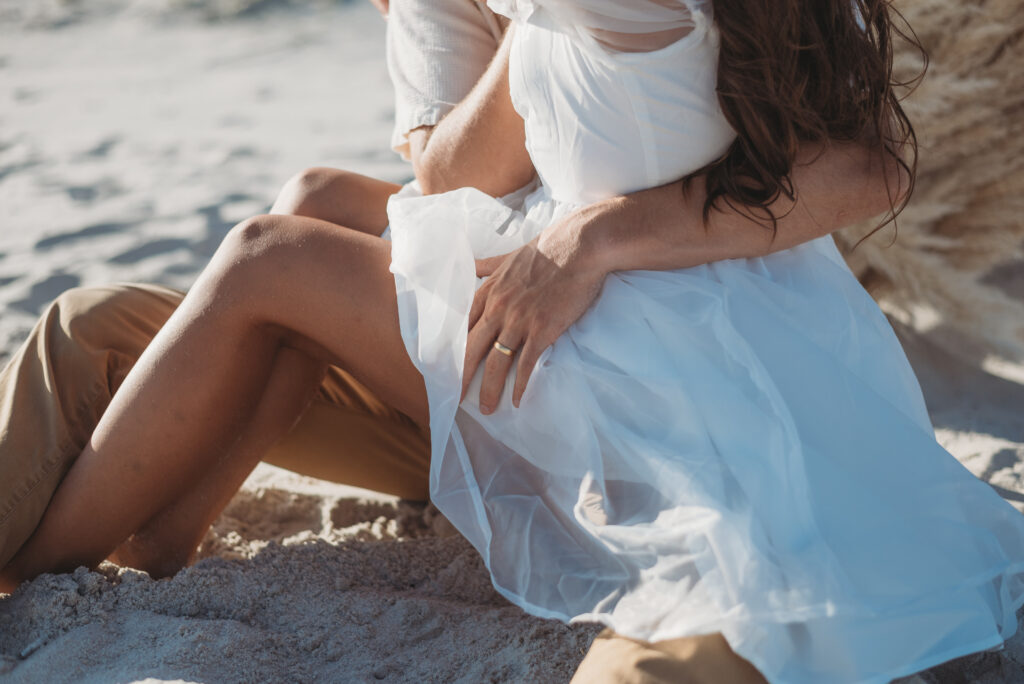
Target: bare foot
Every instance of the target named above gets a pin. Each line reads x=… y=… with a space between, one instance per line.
x=151 y=556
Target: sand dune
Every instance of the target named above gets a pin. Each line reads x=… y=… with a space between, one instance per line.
x=133 y=135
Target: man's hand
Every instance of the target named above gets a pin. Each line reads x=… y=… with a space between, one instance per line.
x=532 y=296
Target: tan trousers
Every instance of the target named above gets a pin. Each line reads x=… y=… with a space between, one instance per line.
x=58 y=384
x=706 y=659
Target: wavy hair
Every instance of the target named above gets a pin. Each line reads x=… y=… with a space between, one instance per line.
x=796 y=71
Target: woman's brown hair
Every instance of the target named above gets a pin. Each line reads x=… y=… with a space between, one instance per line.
x=796 y=71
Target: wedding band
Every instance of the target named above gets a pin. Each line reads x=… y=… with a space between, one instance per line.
x=507 y=351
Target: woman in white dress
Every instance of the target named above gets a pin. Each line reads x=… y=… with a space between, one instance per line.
x=671 y=429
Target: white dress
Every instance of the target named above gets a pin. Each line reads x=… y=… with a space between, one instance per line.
x=739 y=447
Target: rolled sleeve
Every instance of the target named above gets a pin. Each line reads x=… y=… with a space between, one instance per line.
x=436 y=51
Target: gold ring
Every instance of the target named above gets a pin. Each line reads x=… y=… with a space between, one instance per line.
x=507 y=351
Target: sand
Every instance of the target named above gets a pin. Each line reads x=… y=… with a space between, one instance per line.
x=302 y=582
x=133 y=135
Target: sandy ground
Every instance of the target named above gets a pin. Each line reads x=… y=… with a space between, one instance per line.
x=132 y=137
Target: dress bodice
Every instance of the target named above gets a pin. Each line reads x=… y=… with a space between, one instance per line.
x=601 y=121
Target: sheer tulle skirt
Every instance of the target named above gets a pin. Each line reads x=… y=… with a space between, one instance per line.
x=738 y=447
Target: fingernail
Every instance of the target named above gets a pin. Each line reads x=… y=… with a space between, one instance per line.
x=486 y=409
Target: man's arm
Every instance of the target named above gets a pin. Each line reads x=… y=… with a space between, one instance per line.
x=481 y=143
x=663 y=227
x=444 y=57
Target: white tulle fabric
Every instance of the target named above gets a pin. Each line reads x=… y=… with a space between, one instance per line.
x=739 y=447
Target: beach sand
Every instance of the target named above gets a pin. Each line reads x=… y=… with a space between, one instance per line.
x=133 y=135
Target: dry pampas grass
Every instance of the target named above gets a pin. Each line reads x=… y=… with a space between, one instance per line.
x=956 y=267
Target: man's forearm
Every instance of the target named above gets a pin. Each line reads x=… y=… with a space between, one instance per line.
x=663 y=228
x=481 y=143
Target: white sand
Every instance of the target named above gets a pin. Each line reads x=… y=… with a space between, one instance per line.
x=132 y=136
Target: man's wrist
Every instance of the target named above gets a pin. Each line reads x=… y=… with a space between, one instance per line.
x=599 y=236
x=658 y=228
